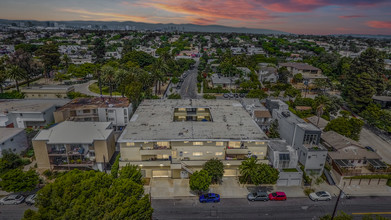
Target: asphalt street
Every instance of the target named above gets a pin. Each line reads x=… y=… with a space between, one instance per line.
x=293 y=208
x=14 y=212
x=189 y=85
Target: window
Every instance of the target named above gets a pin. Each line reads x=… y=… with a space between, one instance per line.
x=197 y=154
x=181 y=109
x=110 y=119
x=130 y=144
x=219 y=153
x=198 y=143
x=185 y=142
x=219 y=143
x=86 y=111
x=110 y=111
x=259 y=143
x=310 y=139
x=209 y=142
x=234 y=144
x=163 y=144
x=125 y=112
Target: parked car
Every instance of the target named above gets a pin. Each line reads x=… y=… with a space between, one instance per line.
x=320 y=196
x=236 y=95
x=242 y=95
x=277 y=196
x=258 y=196
x=30 y=200
x=226 y=95
x=369 y=148
x=231 y=95
x=12 y=200
x=210 y=197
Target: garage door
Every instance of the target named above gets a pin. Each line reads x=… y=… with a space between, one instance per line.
x=295 y=182
x=161 y=173
x=230 y=172
x=282 y=182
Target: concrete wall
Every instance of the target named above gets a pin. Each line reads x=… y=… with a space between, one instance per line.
x=290 y=179
x=41 y=154
x=104 y=148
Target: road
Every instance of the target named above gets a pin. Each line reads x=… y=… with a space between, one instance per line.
x=189 y=85
x=368 y=138
x=293 y=208
x=14 y=212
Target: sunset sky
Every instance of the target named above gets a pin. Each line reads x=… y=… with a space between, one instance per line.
x=294 y=16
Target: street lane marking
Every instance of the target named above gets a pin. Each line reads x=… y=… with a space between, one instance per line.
x=372 y=213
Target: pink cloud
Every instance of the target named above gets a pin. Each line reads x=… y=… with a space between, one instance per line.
x=379 y=24
x=203 y=21
x=352 y=16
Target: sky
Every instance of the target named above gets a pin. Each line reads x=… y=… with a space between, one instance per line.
x=293 y=16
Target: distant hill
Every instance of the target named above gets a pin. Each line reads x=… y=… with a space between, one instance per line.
x=115 y=25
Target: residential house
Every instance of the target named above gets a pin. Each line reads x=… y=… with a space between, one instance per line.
x=69 y=144
x=28 y=113
x=13 y=139
x=383 y=101
x=102 y=109
x=172 y=138
x=349 y=158
x=302 y=136
x=267 y=74
x=284 y=158
x=258 y=112
x=309 y=73
x=47 y=92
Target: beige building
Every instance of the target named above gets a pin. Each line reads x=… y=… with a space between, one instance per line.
x=47 y=92
x=172 y=138
x=103 y=109
x=83 y=145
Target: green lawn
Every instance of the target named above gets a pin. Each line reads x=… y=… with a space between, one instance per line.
x=105 y=89
x=290 y=170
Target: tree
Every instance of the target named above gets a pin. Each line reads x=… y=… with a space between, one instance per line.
x=9 y=161
x=364 y=80
x=340 y=216
x=252 y=172
x=99 y=49
x=142 y=58
x=24 y=60
x=273 y=130
x=131 y=172
x=174 y=96
x=375 y=116
x=15 y=73
x=298 y=78
x=200 y=181
x=91 y=195
x=350 y=128
x=321 y=84
x=108 y=76
x=3 y=72
x=115 y=167
x=257 y=93
x=18 y=181
x=49 y=56
x=283 y=75
x=215 y=169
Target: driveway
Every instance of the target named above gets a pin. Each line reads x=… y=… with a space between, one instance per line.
x=83 y=88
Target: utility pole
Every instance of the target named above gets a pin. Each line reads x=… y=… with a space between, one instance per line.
x=336 y=203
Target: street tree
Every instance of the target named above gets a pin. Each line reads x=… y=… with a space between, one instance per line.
x=254 y=173
x=17 y=180
x=200 y=181
x=91 y=195
x=348 y=127
x=131 y=172
x=99 y=49
x=108 y=76
x=49 y=56
x=215 y=169
x=115 y=167
x=15 y=73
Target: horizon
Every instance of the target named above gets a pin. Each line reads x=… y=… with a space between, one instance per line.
x=312 y=17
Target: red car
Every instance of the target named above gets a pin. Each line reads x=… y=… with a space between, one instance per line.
x=277 y=196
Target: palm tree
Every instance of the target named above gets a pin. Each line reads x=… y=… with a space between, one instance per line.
x=16 y=73
x=121 y=76
x=3 y=72
x=248 y=169
x=321 y=102
x=159 y=69
x=108 y=76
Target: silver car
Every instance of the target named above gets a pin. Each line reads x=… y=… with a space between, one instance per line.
x=30 y=200
x=258 y=196
x=320 y=196
x=12 y=200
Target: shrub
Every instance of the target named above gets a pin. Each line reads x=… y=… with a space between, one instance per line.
x=48 y=173
x=208 y=96
x=12 y=95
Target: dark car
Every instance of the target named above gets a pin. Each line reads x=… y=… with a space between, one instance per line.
x=277 y=196
x=236 y=95
x=210 y=197
x=369 y=148
x=242 y=95
x=258 y=196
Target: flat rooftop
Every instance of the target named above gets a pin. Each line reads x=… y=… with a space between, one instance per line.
x=96 y=102
x=279 y=145
x=7 y=133
x=71 y=132
x=29 y=105
x=153 y=121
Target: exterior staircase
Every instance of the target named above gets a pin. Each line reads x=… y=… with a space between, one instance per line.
x=184 y=166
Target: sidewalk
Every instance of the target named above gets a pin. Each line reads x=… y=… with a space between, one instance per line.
x=167 y=188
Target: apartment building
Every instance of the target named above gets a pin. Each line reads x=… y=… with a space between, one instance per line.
x=28 y=113
x=68 y=145
x=172 y=138
x=102 y=109
x=302 y=136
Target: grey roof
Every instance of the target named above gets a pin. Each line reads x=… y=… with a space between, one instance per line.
x=220 y=79
x=153 y=121
x=382 y=98
x=314 y=120
x=8 y=133
x=300 y=66
x=279 y=145
x=337 y=141
x=71 y=132
x=30 y=105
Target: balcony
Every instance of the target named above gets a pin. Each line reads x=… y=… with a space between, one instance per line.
x=155 y=152
x=242 y=150
x=155 y=163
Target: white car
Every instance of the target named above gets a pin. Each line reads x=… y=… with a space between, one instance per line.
x=12 y=200
x=320 y=196
x=30 y=200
